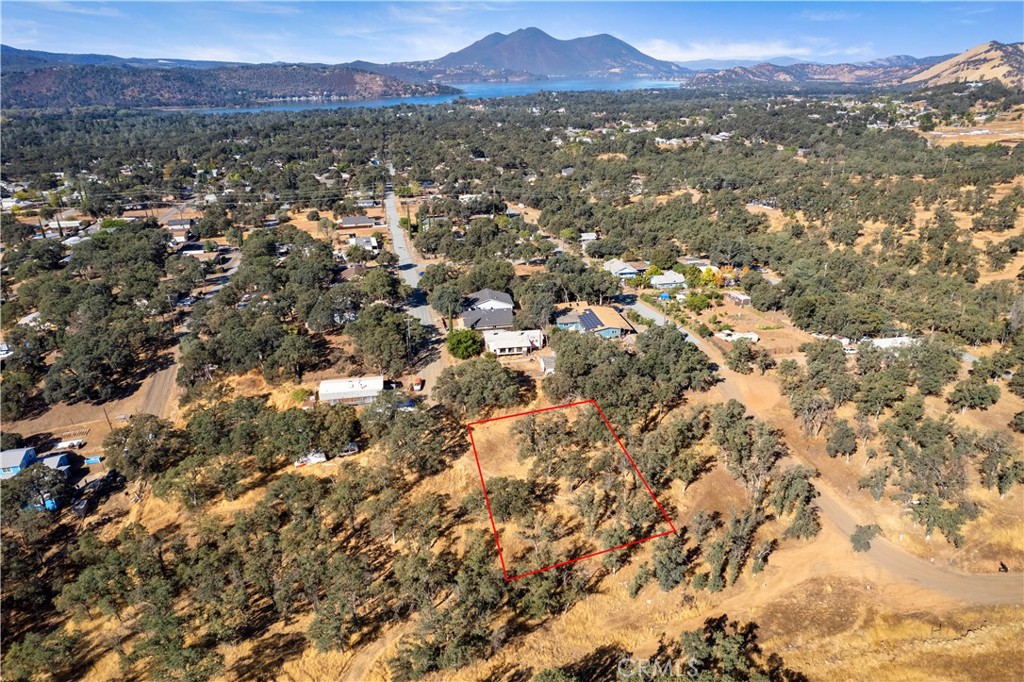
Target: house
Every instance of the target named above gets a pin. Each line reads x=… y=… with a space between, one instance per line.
x=601 y=320
x=180 y=223
x=513 y=342
x=368 y=243
x=638 y=265
x=353 y=391
x=588 y=237
x=668 y=280
x=739 y=298
x=620 y=268
x=489 y=299
x=366 y=203
x=469 y=198
x=58 y=461
x=5 y=351
x=351 y=272
x=67 y=225
x=14 y=460
x=352 y=222
x=500 y=318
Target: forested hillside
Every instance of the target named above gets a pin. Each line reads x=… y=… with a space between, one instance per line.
x=220 y=552
x=71 y=86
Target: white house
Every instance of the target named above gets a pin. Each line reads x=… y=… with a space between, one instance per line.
x=668 y=280
x=368 y=243
x=620 y=268
x=353 y=391
x=588 y=237
x=513 y=343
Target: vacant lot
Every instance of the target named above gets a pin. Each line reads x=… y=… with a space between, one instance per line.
x=560 y=487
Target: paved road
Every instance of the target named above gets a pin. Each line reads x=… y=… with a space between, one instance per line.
x=408 y=270
x=995 y=588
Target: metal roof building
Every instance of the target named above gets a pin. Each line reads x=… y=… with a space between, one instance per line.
x=354 y=391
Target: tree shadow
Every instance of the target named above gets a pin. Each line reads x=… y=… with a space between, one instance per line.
x=599 y=665
x=268 y=655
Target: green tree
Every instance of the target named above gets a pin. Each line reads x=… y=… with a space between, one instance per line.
x=465 y=343
x=386 y=340
x=973 y=394
x=862 y=537
x=724 y=650
x=446 y=299
x=476 y=385
x=144 y=448
x=841 y=440
x=740 y=356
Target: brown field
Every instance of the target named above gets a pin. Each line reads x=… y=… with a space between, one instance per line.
x=1005 y=128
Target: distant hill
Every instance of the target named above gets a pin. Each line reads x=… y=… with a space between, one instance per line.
x=993 y=60
x=16 y=59
x=120 y=85
x=531 y=50
x=722 y=64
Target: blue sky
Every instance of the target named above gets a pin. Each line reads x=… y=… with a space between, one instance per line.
x=335 y=32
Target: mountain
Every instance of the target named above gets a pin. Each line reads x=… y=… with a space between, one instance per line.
x=988 y=61
x=531 y=50
x=722 y=64
x=905 y=60
x=121 y=85
x=16 y=59
x=992 y=60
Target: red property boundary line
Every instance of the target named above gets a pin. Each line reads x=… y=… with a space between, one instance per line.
x=487 y=499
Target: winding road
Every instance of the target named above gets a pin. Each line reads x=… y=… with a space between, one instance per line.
x=995 y=588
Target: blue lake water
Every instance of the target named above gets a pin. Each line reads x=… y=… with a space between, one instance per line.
x=470 y=91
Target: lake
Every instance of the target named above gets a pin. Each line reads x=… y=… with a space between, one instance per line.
x=470 y=91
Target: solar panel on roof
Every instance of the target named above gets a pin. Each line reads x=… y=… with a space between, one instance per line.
x=589 y=321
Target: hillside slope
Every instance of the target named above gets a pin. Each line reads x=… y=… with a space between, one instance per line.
x=992 y=60
x=125 y=86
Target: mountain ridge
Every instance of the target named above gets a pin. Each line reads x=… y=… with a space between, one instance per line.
x=121 y=85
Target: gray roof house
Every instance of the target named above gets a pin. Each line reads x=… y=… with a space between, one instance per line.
x=356 y=221
x=488 y=299
x=14 y=460
x=500 y=318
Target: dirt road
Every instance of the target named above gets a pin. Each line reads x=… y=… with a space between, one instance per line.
x=996 y=588
x=160 y=390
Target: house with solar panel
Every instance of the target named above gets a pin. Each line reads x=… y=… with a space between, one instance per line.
x=593 y=319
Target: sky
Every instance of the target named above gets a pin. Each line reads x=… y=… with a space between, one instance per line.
x=336 y=32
